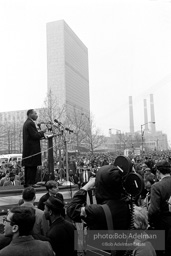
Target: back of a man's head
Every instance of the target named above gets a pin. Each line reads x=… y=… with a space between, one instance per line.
x=108 y=183
x=164 y=167
x=29 y=194
x=24 y=218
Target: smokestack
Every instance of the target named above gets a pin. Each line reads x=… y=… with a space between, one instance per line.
x=131 y=118
x=145 y=115
x=153 y=126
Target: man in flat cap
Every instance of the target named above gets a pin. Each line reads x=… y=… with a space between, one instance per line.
x=61 y=231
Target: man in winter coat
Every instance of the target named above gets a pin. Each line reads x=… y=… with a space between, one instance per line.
x=31 y=147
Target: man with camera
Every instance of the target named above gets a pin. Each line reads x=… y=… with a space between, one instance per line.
x=108 y=190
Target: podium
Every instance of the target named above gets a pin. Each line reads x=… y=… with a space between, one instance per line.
x=49 y=138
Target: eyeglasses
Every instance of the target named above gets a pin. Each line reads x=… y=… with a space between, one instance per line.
x=6 y=220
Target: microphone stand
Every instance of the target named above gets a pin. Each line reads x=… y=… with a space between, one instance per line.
x=49 y=138
x=63 y=133
x=50 y=158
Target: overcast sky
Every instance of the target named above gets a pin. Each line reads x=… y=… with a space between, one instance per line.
x=129 y=46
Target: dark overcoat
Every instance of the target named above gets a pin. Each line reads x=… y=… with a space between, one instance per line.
x=31 y=144
x=61 y=234
x=158 y=212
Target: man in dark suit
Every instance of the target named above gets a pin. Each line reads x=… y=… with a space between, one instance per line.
x=84 y=177
x=61 y=232
x=158 y=212
x=52 y=190
x=31 y=147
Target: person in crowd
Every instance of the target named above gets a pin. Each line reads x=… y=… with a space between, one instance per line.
x=61 y=232
x=18 y=225
x=108 y=190
x=41 y=226
x=12 y=181
x=72 y=165
x=149 y=180
x=158 y=212
x=141 y=223
x=105 y=161
x=31 y=157
x=21 y=176
x=52 y=190
x=5 y=178
x=83 y=178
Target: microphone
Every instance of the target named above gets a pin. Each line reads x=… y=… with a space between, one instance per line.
x=68 y=130
x=56 y=121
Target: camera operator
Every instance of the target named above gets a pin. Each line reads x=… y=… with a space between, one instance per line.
x=108 y=190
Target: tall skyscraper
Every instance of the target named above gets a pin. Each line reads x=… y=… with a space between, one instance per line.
x=67 y=67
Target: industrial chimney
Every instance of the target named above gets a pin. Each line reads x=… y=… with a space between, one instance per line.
x=131 y=118
x=153 y=126
x=145 y=115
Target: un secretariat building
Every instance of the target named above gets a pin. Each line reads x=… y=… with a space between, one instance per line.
x=67 y=79
x=67 y=67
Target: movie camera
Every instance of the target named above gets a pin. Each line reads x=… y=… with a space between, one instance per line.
x=133 y=183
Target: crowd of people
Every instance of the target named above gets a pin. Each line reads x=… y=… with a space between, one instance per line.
x=54 y=226
x=29 y=230
x=11 y=174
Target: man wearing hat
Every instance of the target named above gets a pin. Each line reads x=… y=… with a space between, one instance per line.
x=12 y=181
x=61 y=232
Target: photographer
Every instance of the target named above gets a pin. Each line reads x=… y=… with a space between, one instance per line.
x=108 y=190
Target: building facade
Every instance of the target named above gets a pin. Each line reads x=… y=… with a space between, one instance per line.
x=67 y=67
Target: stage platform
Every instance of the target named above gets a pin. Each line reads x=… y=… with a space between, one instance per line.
x=10 y=195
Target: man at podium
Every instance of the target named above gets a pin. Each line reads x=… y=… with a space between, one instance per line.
x=31 y=157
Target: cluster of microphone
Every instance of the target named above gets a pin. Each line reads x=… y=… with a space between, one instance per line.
x=60 y=126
